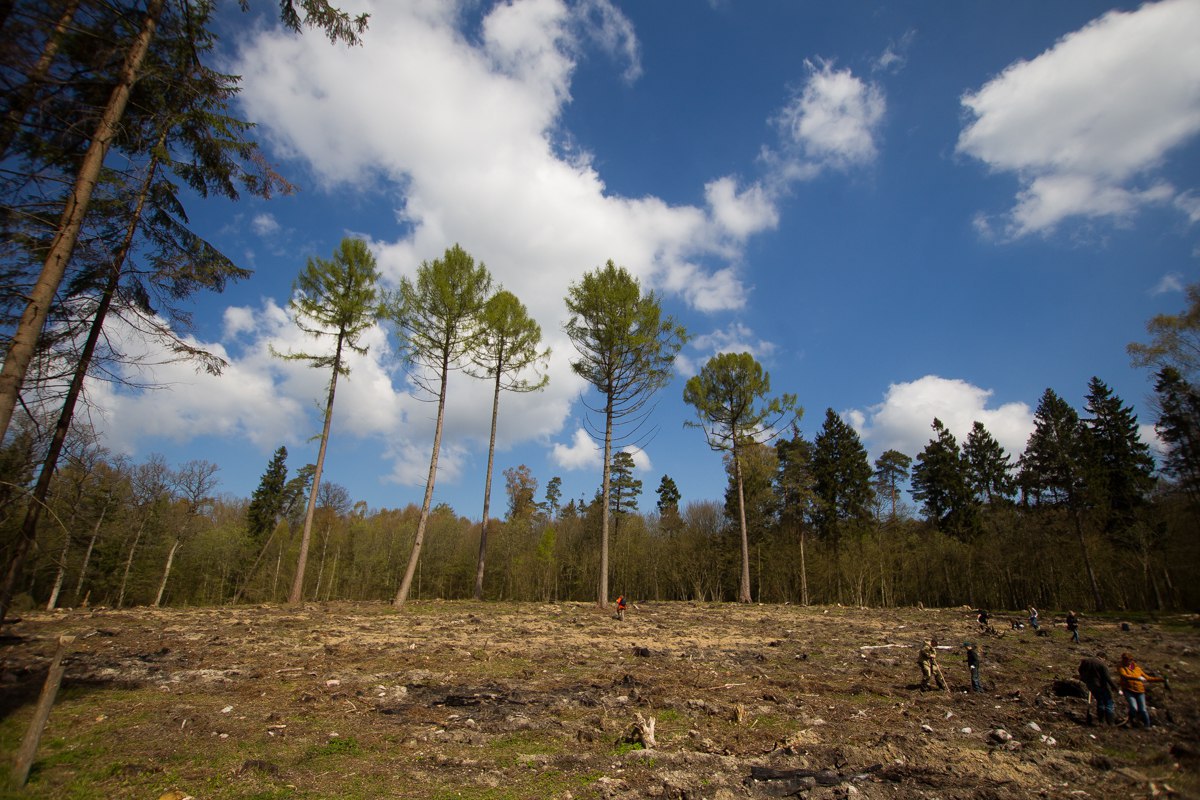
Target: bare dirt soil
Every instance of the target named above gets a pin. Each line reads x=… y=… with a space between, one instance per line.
x=471 y=700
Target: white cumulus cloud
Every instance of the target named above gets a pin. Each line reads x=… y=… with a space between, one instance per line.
x=1087 y=125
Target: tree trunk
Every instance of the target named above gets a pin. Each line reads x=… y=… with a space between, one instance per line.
x=605 y=489
x=744 y=588
x=87 y=554
x=803 y=571
x=129 y=564
x=41 y=490
x=415 y=556
x=1087 y=559
x=22 y=98
x=298 y=580
x=24 y=342
x=487 y=489
x=60 y=574
x=162 y=586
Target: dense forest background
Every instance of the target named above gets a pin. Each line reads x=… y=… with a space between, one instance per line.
x=109 y=112
x=825 y=527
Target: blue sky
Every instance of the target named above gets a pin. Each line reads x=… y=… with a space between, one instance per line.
x=903 y=210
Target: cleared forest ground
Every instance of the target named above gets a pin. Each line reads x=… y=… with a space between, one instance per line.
x=457 y=699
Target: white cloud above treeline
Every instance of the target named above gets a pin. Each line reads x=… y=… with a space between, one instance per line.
x=1088 y=126
x=904 y=419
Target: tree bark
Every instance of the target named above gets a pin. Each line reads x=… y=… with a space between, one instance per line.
x=21 y=99
x=744 y=589
x=606 y=488
x=33 y=319
x=415 y=556
x=162 y=585
x=298 y=580
x=41 y=490
x=487 y=487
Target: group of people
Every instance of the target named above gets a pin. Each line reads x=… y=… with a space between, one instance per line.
x=931 y=672
x=1093 y=672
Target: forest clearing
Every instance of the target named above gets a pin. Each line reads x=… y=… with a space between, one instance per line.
x=530 y=700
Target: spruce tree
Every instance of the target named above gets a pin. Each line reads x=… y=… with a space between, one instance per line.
x=1121 y=459
x=266 y=503
x=842 y=484
x=939 y=481
x=989 y=469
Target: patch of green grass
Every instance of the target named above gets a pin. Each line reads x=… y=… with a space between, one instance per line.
x=626 y=747
x=341 y=746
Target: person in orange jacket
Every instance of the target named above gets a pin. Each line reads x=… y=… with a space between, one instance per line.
x=1133 y=684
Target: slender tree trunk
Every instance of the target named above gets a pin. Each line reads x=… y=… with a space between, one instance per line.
x=20 y=99
x=1087 y=559
x=415 y=557
x=606 y=488
x=321 y=570
x=298 y=581
x=487 y=488
x=60 y=574
x=24 y=342
x=162 y=585
x=41 y=490
x=744 y=588
x=278 y=566
x=87 y=554
x=803 y=571
x=129 y=563
x=332 y=574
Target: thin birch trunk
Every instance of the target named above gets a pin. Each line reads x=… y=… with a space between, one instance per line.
x=162 y=586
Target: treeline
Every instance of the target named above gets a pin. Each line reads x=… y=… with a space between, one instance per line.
x=1077 y=521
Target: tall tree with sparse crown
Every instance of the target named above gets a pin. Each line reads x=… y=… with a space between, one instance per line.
x=338 y=298
x=730 y=398
x=626 y=348
x=438 y=320
x=509 y=348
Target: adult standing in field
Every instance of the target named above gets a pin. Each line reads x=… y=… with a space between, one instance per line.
x=973 y=664
x=437 y=318
x=1073 y=626
x=1095 y=676
x=730 y=397
x=1133 y=684
x=338 y=297
x=626 y=349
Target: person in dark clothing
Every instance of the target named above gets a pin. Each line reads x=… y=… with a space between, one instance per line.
x=1073 y=626
x=1095 y=676
x=973 y=666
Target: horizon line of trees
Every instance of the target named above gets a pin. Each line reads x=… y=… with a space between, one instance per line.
x=1086 y=526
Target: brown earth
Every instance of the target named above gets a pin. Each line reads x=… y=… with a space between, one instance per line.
x=455 y=699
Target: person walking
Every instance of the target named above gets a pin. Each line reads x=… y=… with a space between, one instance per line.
x=1133 y=684
x=1073 y=626
x=1034 y=621
x=1095 y=676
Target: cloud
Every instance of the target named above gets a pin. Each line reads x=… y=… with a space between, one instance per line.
x=832 y=123
x=580 y=453
x=1171 y=282
x=734 y=338
x=903 y=420
x=265 y=225
x=1086 y=125
x=895 y=56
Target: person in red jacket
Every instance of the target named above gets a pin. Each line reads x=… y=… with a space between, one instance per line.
x=621 y=607
x=1133 y=683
